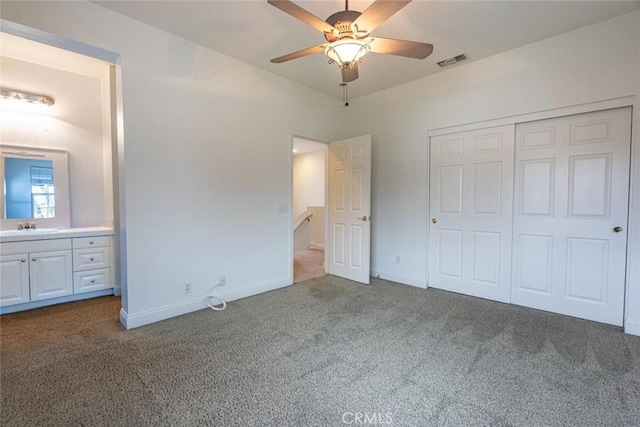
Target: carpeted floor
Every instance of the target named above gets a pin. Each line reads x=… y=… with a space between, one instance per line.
x=308 y=264
x=319 y=353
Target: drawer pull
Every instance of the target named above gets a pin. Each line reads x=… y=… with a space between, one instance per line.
x=91 y=242
x=91 y=259
x=93 y=280
x=33 y=259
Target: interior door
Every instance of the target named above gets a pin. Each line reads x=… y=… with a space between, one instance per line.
x=350 y=208
x=571 y=207
x=471 y=187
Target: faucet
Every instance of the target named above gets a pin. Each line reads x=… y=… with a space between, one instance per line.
x=27 y=226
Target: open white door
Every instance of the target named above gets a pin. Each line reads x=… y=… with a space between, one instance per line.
x=349 y=208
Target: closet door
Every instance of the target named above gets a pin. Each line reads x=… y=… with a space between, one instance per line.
x=471 y=190
x=570 y=214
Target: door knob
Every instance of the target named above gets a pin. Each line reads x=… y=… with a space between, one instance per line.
x=434 y=220
x=363 y=218
x=617 y=229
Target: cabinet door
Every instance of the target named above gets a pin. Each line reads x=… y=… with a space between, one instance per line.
x=14 y=279
x=50 y=274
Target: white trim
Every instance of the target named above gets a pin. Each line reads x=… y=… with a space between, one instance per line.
x=57 y=41
x=417 y=282
x=608 y=104
x=632 y=327
x=147 y=317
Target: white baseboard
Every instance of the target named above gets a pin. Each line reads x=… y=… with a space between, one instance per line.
x=418 y=282
x=632 y=327
x=147 y=317
x=117 y=291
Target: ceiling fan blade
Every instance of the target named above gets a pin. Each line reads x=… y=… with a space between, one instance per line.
x=377 y=13
x=299 y=54
x=401 y=47
x=350 y=74
x=299 y=13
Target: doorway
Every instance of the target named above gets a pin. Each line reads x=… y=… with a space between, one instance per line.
x=85 y=121
x=309 y=205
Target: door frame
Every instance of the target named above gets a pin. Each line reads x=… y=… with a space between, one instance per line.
x=631 y=315
x=325 y=149
x=116 y=124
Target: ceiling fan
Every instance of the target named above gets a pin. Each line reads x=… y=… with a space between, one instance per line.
x=348 y=35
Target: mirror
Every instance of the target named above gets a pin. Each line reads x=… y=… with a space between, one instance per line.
x=36 y=187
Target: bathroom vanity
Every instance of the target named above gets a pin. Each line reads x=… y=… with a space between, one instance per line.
x=50 y=266
x=45 y=256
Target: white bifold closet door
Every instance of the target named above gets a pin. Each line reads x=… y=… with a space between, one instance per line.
x=570 y=214
x=470 y=235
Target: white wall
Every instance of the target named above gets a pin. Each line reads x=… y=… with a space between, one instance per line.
x=197 y=176
x=308 y=181
x=73 y=123
x=312 y=232
x=207 y=143
x=595 y=63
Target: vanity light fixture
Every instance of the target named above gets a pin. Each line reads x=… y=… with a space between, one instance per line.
x=32 y=98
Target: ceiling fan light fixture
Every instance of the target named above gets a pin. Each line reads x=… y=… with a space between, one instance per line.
x=346 y=52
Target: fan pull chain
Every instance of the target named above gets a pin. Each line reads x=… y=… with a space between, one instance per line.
x=345 y=95
x=346 y=4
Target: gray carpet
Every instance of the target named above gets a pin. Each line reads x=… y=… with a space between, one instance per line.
x=313 y=352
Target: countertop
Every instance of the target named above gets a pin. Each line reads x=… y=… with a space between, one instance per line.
x=53 y=233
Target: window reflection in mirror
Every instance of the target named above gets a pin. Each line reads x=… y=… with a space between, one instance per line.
x=36 y=187
x=29 y=188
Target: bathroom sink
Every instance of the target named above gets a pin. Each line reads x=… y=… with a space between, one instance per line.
x=28 y=232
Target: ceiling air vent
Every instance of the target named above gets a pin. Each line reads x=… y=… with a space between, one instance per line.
x=453 y=60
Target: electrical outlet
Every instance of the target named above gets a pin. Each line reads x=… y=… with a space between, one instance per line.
x=222 y=280
x=397 y=259
x=187 y=288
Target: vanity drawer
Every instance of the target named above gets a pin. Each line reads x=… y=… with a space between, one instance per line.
x=90 y=242
x=35 y=246
x=90 y=259
x=92 y=280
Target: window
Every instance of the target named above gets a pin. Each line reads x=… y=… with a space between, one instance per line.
x=42 y=192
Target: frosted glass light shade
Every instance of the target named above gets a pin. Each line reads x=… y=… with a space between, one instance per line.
x=346 y=52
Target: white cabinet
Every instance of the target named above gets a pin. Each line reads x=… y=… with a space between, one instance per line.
x=91 y=264
x=50 y=274
x=14 y=279
x=37 y=270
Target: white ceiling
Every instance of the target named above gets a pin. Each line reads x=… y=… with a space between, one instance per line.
x=254 y=32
